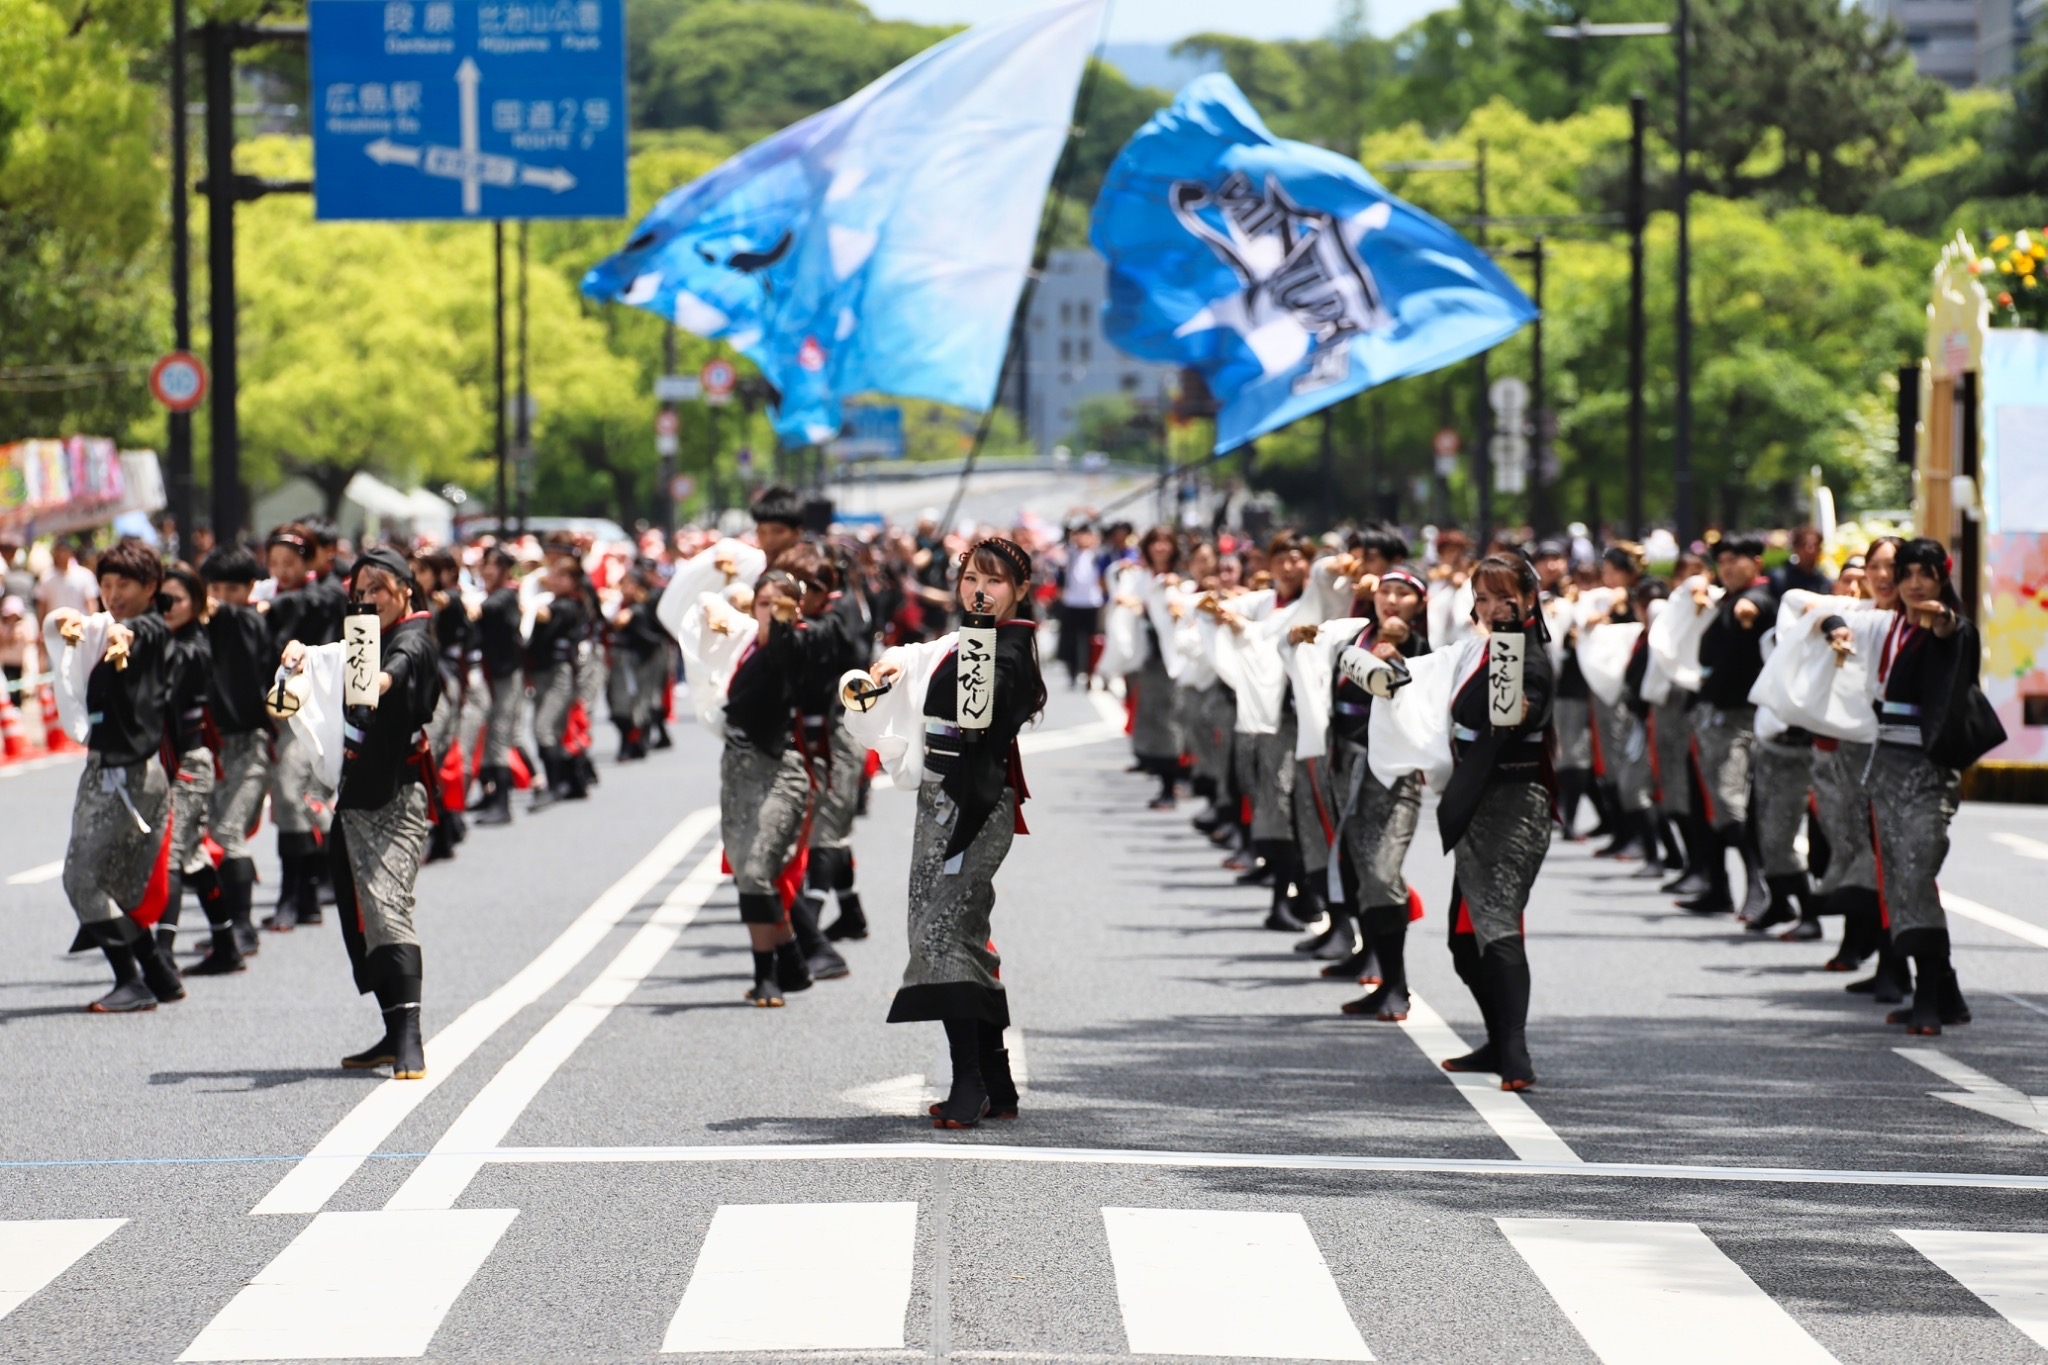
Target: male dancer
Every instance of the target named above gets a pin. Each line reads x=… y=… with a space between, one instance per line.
x=306 y=612
x=243 y=662
x=1724 y=722
x=497 y=633
x=836 y=639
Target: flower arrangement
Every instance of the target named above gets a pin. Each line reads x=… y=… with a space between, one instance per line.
x=2014 y=272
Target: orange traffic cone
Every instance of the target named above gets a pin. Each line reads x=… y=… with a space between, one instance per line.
x=11 y=736
x=54 y=738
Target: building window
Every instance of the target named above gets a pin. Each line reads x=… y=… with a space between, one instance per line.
x=1129 y=383
x=1086 y=351
x=1066 y=349
x=1066 y=311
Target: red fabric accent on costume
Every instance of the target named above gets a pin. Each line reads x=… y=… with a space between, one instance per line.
x=1015 y=779
x=522 y=776
x=790 y=884
x=1130 y=706
x=1599 y=757
x=454 y=781
x=576 y=730
x=1656 y=768
x=1464 y=924
x=215 y=854
x=1315 y=791
x=668 y=699
x=1823 y=744
x=871 y=765
x=1700 y=772
x=1244 y=810
x=1095 y=643
x=1884 y=913
x=724 y=864
x=1414 y=905
x=156 y=897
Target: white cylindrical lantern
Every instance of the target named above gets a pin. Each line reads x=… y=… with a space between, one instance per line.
x=1504 y=678
x=976 y=695
x=363 y=638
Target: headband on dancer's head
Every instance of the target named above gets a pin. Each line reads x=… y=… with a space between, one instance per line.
x=1009 y=551
x=295 y=543
x=1406 y=576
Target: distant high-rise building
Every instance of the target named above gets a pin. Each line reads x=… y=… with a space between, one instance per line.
x=1067 y=360
x=2004 y=28
x=1941 y=35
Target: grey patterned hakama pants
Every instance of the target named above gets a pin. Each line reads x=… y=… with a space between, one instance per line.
x=300 y=802
x=1671 y=744
x=191 y=804
x=237 y=797
x=1499 y=857
x=835 y=788
x=1844 y=817
x=554 y=690
x=1265 y=772
x=117 y=821
x=1913 y=799
x=1625 y=748
x=1782 y=776
x=1315 y=821
x=1207 y=740
x=593 y=676
x=1723 y=738
x=762 y=801
x=501 y=721
x=1571 y=720
x=1378 y=825
x=384 y=847
x=1155 y=735
x=949 y=912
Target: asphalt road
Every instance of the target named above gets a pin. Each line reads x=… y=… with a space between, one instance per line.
x=613 y=1159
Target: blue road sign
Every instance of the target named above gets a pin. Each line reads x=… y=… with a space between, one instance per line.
x=462 y=109
x=870 y=434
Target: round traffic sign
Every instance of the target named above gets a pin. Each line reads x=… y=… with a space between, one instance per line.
x=718 y=377
x=1446 y=442
x=178 y=381
x=681 y=486
x=665 y=422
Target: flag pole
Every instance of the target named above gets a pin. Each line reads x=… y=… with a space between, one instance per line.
x=1048 y=221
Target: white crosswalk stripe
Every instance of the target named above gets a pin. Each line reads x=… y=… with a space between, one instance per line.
x=34 y=1252
x=1657 y=1294
x=1254 y=1285
x=2007 y=1270
x=1226 y=1284
x=796 y=1277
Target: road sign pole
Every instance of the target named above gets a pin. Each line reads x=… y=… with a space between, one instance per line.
x=523 y=438
x=220 y=280
x=1638 y=116
x=664 y=498
x=1482 y=459
x=1540 y=514
x=178 y=449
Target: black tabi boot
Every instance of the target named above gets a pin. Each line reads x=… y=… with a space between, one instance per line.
x=995 y=1074
x=1627 y=838
x=1571 y=790
x=579 y=775
x=284 y=916
x=1505 y=966
x=158 y=971
x=1937 y=995
x=821 y=959
x=1756 y=891
x=486 y=788
x=1716 y=899
x=1674 y=847
x=1386 y=928
x=1345 y=941
x=311 y=883
x=546 y=791
x=852 y=923
x=408 y=1049
x=1279 y=917
x=1696 y=839
x=1265 y=858
x=1812 y=905
x=496 y=808
x=792 y=973
x=1859 y=928
x=1649 y=825
x=1311 y=905
x=1465 y=959
x=384 y=1051
x=1781 y=903
x=224 y=955
x=966 y=1105
x=1893 y=978
x=238 y=889
x=765 y=993
x=440 y=841
x=166 y=932
x=1606 y=805
x=82 y=941
x=130 y=994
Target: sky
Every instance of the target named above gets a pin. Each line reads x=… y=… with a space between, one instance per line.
x=1163 y=21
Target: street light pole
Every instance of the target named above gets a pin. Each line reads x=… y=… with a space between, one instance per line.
x=1638 y=115
x=522 y=420
x=1681 y=445
x=179 y=447
x=1482 y=455
x=1540 y=516
x=498 y=366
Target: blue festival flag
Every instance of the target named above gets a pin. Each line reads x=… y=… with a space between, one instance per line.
x=1282 y=272
x=879 y=245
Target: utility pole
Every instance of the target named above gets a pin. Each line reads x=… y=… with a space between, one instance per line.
x=523 y=430
x=179 y=447
x=1482 y=453
x=1681 y=452
x=1638 y=116
x=1541 y=518
x=220 y=283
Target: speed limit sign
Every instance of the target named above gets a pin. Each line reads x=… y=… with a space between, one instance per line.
x=178 y=381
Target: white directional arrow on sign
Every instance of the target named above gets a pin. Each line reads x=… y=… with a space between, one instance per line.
x=469 y=163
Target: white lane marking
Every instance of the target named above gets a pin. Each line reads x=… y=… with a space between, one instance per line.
x=1111 y=709
x=355 y=1284
x=308 y=1186
x=1657 y=1294
x=2007 y=1270
x=2022 y=845
x=445 y=1174
x=799 y=1277
x=36 y=876
x=1253 y=1161
x=1994 y=919
x=35 y=1251
x=1072 y=737
x=29 y=765
x=1196 y=1282
x=1505 y=1111
x=1020 y=1063
x=1979 y=1091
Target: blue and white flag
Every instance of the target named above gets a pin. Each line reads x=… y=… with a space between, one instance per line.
x=1283 y=272
x=879 y=245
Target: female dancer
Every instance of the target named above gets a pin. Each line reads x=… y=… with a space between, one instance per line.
x=1494 y=815
x=183 y=601
x=1933 y=722
x=1850 y=882
x=1155 y=731
x=383 y=809
x=967 y=816
x=1624 y=755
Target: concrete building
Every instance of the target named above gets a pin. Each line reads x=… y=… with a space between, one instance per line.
x=1941 y=35
x=1067 y=360
x=2004 y=28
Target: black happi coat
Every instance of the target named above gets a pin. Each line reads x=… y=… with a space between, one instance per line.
x=975 y=768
